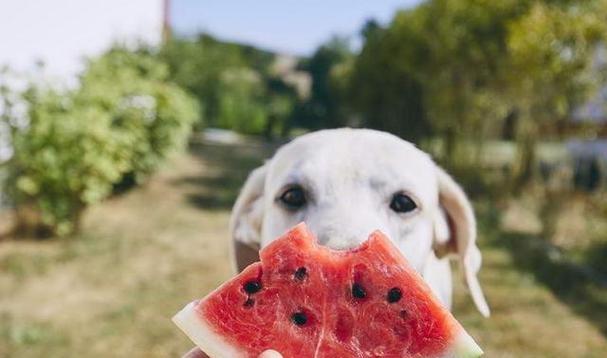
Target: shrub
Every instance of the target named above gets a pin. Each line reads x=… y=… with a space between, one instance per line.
x=240 y=104
x=154 y=115
x=65 y=158
x=72 y=147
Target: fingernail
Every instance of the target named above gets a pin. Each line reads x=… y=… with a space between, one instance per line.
x=270 y=353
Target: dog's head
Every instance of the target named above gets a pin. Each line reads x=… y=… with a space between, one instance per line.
x=345 y=183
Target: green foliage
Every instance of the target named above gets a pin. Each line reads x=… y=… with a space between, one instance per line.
x=65 y=157
x=552 y=50
x=234 y=84
x=434 y=68
x=198 y=66
x=72 y=147
x=152 y=115
x=459 y=68
x=241 y=106
x=328 y=69
x=383 y=89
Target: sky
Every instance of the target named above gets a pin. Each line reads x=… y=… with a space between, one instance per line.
x=62 y=32
x=288 y=26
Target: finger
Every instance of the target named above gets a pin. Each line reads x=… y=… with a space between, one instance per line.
x=195 y=353
x=270 y=353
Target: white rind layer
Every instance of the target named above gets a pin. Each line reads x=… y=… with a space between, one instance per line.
x=464 y=347
x=203 y=336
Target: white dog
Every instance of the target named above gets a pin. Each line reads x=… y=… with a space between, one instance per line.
x=346 y=183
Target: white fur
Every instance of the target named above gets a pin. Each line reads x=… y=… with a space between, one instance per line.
x=351 y=175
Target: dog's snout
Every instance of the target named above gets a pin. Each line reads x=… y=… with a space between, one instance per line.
x=342 y=227
x=347 y=235
x=339 y=241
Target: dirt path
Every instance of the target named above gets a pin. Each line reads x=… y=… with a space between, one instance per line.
x=110 y=291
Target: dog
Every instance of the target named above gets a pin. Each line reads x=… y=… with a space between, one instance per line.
x=345 y=183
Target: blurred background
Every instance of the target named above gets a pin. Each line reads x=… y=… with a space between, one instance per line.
x=128 y=127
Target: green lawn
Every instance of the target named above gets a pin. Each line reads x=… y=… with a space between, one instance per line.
x=111 y=290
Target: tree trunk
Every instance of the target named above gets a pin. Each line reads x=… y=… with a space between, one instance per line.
x=29 y=223
x=526 y=160
x=550 y=209
x=450 y=146
x=268 y=131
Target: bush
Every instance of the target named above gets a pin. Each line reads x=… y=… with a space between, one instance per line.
x=65 y=158
x=240 y=105
x=239 y=87
x=154 y=115
x=72 y=147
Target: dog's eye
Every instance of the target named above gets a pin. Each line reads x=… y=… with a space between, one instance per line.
x=402 y=203
x=293 y=198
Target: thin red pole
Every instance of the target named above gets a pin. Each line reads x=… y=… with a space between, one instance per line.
x=166 y=20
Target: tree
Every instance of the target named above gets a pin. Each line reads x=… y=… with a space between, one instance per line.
x=324 y=108
x=198 y=66
x=234 y=84
x=382 y=88
x=240 y=101
x=281 y=103
x=460 y=68
x=552 y=51
x=422 y=76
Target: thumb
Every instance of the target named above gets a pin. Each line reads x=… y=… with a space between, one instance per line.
x=270 y=353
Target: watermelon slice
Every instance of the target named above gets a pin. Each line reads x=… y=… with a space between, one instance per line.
x=305 y=300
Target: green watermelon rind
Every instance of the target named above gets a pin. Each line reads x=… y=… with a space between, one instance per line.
x=203 y=335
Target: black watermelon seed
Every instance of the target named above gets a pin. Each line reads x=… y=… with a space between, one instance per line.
x=394 y=295
x=251 y=287
x=249 y=303
x=299 y=318
x=358 y=291
x=300 y=274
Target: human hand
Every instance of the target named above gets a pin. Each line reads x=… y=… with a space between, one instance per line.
x=197 y=353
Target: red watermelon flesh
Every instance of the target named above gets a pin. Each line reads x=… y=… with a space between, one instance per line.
x=305 y=300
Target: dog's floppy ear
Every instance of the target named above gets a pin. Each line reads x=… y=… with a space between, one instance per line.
x=455 y=234
x=246 y=220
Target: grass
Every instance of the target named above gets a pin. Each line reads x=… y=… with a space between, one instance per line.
x=141 y=256
x=541 y=307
